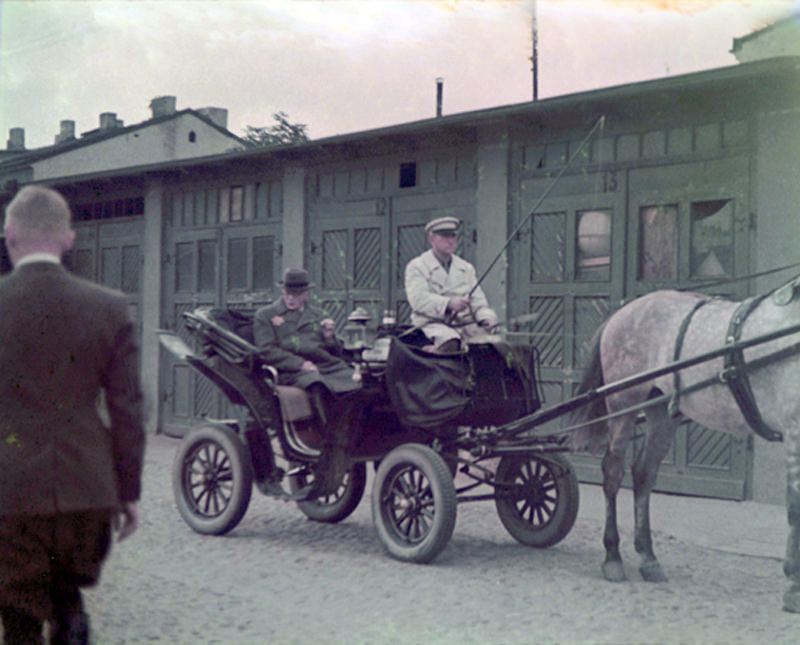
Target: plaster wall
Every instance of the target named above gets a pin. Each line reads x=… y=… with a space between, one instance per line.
x=151 y=299
x=491 y=221
x=777 y=195
x=164 y=141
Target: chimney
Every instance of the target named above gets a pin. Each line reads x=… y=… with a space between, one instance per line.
x=218 y=116
x=67 y=132
x=16 y=139
x=162 y=106
x=109 y=121
x=439 y=92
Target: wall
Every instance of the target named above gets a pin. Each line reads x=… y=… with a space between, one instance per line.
x=143 y=146
x=777 y=234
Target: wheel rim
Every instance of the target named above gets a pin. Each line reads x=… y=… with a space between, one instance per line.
x=408 y=505
x=208 y=479
x=534 y=493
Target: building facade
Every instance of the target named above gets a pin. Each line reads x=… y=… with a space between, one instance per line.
x=609 y=194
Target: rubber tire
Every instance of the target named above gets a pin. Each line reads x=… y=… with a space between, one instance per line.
x=334 y=508
x=418 y=469
x=221 y=448
x=544 y=509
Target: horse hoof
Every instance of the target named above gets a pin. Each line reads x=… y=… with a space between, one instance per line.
x=613 y=571
x=791 y=599
x=651 y=572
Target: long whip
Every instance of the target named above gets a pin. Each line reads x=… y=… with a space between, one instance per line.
x=544 y=195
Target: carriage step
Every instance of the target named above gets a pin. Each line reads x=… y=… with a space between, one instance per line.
x=274 y=489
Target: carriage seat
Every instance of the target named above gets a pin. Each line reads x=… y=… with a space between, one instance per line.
x=294 y=401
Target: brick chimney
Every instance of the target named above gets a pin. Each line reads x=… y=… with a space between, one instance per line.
x=218 y=116
x=109 y=121
x=67 y=132
x=16 y=139
x=162 y=106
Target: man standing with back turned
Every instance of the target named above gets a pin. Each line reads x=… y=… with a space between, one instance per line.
x=65 y=478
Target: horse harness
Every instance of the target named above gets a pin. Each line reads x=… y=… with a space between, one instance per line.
x=734 y=371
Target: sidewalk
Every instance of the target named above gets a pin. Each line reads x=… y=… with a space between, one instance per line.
x=747 y=528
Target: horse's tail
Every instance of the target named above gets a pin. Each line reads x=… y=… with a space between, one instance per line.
x=590 y=436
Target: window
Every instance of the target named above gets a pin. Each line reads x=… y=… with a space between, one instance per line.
x=593 y=246
x=408 y=174
x=548 y=247
x=237 y=204
x=658 y=242
x=711 y=238
x=192 y=137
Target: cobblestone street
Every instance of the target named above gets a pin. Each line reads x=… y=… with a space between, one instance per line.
x=280 y=578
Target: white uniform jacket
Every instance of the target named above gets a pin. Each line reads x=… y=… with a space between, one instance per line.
x=429 y=288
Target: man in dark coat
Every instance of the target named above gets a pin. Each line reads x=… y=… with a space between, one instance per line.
x=299 y=340
x=66 y=478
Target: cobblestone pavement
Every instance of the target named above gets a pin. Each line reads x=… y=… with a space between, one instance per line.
x=280 y=578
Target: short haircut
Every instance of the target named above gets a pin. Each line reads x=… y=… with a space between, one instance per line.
x=38 y=213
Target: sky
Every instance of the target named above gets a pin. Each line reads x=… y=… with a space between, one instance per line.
x=342 y=66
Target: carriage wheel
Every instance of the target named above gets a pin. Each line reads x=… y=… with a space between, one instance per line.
x=536 y=498
x=414 y=503
x=212 y=480
x=338 y=505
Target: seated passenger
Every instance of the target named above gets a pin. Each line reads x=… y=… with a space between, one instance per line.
x=438 y=285
x=299 y=340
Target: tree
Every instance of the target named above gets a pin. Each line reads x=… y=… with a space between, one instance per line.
x=280 y=133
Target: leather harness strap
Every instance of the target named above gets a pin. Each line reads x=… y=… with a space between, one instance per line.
x=674 y=401
x=734 y=374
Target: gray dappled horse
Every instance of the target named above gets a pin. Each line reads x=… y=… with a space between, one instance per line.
x=650 y=332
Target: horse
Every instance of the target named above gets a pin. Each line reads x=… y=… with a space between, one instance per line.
x=658 y=329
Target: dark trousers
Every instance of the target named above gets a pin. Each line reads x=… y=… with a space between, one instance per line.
x=44 y=562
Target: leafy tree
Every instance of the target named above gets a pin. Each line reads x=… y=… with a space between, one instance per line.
x=281 y=132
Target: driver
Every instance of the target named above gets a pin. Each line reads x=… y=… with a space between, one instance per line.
x=438 y=285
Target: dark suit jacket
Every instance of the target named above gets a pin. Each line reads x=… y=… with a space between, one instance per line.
x=288 y=338
x=62 y=340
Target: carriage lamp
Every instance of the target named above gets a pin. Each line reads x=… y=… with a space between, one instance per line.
x=356 y=333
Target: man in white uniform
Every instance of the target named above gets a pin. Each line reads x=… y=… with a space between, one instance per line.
x=440 y=287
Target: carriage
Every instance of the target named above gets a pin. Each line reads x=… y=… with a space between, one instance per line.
x=472 y=427
x=427 y=423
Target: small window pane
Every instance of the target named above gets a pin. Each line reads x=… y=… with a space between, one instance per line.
x=207 y=266
x=110 y=268
x=237 y=263
x=237 y=204
x=593 y=247
x=130 y=269
x=263 y=262
x=658 y=242
x=548 y=256
x=712 y=238
x=183 y=266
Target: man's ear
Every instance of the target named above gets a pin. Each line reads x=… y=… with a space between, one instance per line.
x=69 y=240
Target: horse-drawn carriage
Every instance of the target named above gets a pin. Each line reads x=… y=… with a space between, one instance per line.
x=423 y=420
x=427 y=423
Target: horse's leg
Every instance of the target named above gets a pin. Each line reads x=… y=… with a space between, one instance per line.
x=657 y=441
x=613 y=471
x=791 y=565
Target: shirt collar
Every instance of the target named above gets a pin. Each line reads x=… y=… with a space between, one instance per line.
x=37 y=257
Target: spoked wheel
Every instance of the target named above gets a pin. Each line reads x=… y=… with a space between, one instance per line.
x=536 y=498
x=341 y=503
x=212 y=480
x=414 y=503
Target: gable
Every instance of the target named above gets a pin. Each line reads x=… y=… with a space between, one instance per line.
x=183 y=137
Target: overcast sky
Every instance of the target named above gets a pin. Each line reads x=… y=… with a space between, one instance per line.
x=341 y=66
